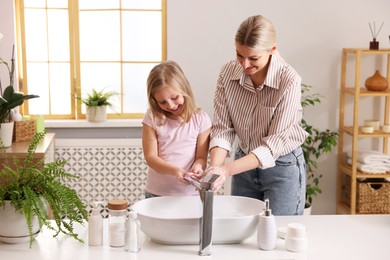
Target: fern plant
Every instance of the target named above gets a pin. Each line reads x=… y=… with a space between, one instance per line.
x=32 y=185
x=98 y=98
x=317 y=143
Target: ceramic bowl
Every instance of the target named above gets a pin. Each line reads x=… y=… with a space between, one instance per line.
x=175 y=219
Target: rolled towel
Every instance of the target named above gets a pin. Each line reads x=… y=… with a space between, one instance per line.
x=370 y=168
x=370 y=157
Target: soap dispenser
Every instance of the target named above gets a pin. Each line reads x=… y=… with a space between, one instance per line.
x=266 y=233
x=95 y=226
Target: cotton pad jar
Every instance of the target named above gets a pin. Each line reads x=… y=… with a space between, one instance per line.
x=367 y=129
x=373 y=123
x=386 y=128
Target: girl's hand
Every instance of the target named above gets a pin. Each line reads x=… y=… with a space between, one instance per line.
x=219 y=170
x=180 y=174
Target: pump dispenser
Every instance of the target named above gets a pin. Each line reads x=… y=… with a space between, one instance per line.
x=267 y=233
x=95 y=226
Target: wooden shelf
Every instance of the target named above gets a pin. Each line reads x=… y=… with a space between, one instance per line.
x=347 y=169
x=365 y=51
x=349 y=130
x=343 y=208
x=20 y=149
x=45 y=149
x=367 y=93
x=357 y=92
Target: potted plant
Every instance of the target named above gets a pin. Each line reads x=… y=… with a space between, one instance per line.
x=34 y=188
x=317 y=143
x=9 y=100
x=97 y=102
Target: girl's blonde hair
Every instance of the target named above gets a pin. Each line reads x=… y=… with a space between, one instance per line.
x=169 y=74
x=256 y=31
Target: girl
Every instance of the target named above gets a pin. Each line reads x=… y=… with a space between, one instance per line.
x=175 y=133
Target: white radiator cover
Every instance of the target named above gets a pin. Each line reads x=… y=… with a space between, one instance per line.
x=108 y=168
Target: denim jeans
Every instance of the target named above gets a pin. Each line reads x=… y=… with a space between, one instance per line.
x=284 y=184
x=150 y=195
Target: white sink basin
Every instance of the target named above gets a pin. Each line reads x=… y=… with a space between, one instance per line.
x=175 y=219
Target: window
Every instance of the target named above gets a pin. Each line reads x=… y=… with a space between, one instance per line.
x=68 y=47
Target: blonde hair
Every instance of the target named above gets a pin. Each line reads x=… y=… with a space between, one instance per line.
x=256 y=31
x=169 y=74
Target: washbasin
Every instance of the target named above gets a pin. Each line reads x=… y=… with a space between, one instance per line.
x=175 y=219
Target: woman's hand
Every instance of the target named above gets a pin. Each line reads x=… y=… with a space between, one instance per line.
x=197 y=172
x=222 y=172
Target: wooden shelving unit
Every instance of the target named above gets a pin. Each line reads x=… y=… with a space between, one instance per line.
x=357 y=91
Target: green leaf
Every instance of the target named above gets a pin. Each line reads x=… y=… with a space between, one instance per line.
x=32 y=185
x=316 y=144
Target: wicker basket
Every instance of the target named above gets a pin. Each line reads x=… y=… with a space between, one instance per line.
x=373 y=196
x=24 y=130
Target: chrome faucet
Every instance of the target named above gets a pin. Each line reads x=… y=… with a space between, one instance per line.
x=206 y=222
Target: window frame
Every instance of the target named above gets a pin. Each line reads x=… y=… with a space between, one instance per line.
x=74 y=47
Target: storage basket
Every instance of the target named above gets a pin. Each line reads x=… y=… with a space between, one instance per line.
x=372 y=197
x=24 y=130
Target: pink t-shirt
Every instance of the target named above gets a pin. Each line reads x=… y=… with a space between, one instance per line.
x=176 y=145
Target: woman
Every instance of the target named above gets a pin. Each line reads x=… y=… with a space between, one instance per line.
x=258 y=98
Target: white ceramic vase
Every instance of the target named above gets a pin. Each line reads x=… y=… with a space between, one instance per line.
x=307 y=211
x=13 y=227
x=96 y=113
x=6 y=132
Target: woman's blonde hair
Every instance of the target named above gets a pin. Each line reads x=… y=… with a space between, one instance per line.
x=256 y=31
x=169 y=74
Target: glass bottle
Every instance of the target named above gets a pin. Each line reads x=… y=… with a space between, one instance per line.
x=95 y=226
x=133 y=243
x=117 y=213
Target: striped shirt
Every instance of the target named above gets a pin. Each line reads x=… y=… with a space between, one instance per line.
x=265 y=119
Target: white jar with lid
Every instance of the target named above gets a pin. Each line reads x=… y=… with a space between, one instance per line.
x=296 y=238
x=117 y=214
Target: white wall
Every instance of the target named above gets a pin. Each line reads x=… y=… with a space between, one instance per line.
x=7 y=29
x=310 y=35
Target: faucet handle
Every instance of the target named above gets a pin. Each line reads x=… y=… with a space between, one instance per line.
x=193 y=182
x=204 y=184
x=210 y=178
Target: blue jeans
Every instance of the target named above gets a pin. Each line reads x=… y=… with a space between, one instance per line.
x=284 y=184
x=150 y=195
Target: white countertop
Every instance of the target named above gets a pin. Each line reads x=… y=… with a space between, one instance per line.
x=330 y=237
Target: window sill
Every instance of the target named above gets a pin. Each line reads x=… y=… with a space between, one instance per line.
x=82 y=123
